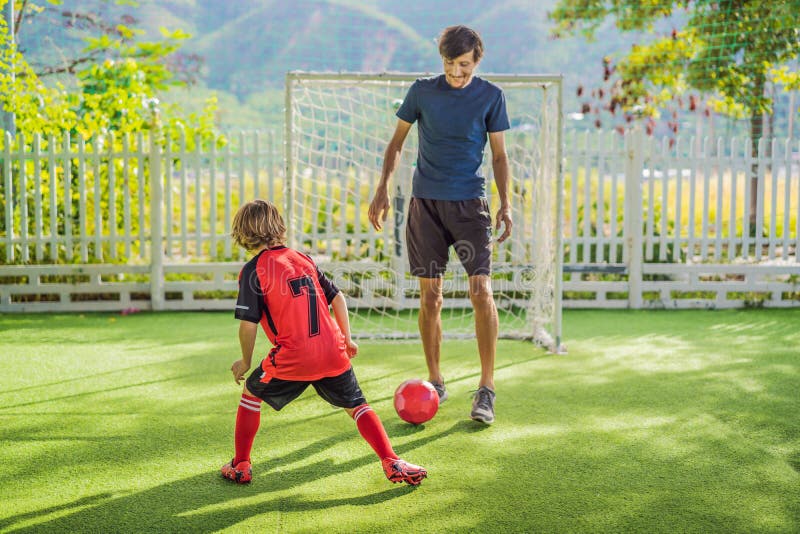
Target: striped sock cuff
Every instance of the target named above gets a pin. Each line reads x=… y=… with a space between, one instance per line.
x=360 y=410
x=250 y=403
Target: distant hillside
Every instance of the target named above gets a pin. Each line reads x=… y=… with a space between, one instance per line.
x=257 y=48
x=249 y=45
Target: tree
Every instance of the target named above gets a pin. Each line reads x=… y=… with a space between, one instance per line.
x=109 y=89
x=727 y=49
x=111 y=84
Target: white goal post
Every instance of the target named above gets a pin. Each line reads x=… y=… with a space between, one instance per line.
x=337 y=128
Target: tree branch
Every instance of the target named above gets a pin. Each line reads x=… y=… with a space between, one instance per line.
x=68 y=67
x=18 y=21
x=86 y=20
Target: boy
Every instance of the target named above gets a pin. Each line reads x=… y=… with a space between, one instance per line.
x=288 y=295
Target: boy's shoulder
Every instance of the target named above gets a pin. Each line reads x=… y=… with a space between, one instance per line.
x=281 y=250
x=274 y=260
x=253 y=261
x=298 y=254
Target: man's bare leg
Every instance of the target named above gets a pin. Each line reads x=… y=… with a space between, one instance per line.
x=430 y=324
x=486 y=325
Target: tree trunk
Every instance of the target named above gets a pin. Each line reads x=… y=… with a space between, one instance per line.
x=9 y=117
x=756 y=131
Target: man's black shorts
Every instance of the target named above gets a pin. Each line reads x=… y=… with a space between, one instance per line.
x=342 y=390
x=434 y=225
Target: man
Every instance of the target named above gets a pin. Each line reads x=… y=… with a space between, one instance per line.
x=455 y=112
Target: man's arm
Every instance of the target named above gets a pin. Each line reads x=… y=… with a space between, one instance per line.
x=379 y=207
x=497 y=142
x=248 y=332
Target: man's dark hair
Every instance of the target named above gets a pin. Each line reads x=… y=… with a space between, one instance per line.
x=458 y=40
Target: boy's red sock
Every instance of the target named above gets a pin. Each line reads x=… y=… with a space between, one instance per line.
x=371 y=428
x=248 y=418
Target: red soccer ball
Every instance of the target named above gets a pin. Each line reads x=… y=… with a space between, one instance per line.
x=416 y=401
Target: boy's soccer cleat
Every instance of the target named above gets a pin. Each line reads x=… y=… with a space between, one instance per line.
x=242 y=473
x=398 y=470
x=483 y=405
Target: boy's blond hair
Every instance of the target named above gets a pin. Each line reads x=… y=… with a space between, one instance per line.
x=258 y=224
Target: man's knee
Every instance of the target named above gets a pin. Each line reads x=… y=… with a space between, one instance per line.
x=480 y=290
x=481 y=296
x=431 y=299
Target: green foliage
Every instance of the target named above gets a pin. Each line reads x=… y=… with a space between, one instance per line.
x=789 y=79
x=37 y=107
x=586 y=16
x=726 y=49
x=751 y=299
x=118 y=94
x=106 y=106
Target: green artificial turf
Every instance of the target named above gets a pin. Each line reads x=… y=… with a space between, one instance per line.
x=670 y=421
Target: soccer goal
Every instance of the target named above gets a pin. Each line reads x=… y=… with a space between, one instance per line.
x=337 y=128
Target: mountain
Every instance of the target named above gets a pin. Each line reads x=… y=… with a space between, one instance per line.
x=255 y=49
x=248 y=45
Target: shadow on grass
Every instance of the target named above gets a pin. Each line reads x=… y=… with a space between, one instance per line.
x=79 y=503
x=794 y=462
x=104 y=327
x=540 y=355
x=178 y=505
x=396 y=428
x=191 y=358
x=49 y=400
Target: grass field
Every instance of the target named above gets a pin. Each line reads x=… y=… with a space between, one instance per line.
x=654 y=422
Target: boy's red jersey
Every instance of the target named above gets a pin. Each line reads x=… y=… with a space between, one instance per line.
x=285 y=291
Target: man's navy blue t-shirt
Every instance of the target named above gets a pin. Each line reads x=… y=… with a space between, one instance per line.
x=453 y=127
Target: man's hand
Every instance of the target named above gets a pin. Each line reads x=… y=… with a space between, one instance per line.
x=239 y=368
x=379 y=208
x=352 y=348
x=504 y=217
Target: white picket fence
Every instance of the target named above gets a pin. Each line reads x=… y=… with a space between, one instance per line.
x=667 y=226
x=85 y=227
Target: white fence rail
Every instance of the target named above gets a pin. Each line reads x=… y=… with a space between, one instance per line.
x=83 y=226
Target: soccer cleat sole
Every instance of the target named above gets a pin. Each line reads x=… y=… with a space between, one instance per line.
x=410 y=479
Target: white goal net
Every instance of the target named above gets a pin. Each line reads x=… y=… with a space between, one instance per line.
x=337 y=128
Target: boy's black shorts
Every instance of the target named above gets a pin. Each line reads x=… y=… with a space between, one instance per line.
x=342 y=390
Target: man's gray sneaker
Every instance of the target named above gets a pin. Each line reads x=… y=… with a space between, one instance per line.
x=441 y=390
x=483 y=405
